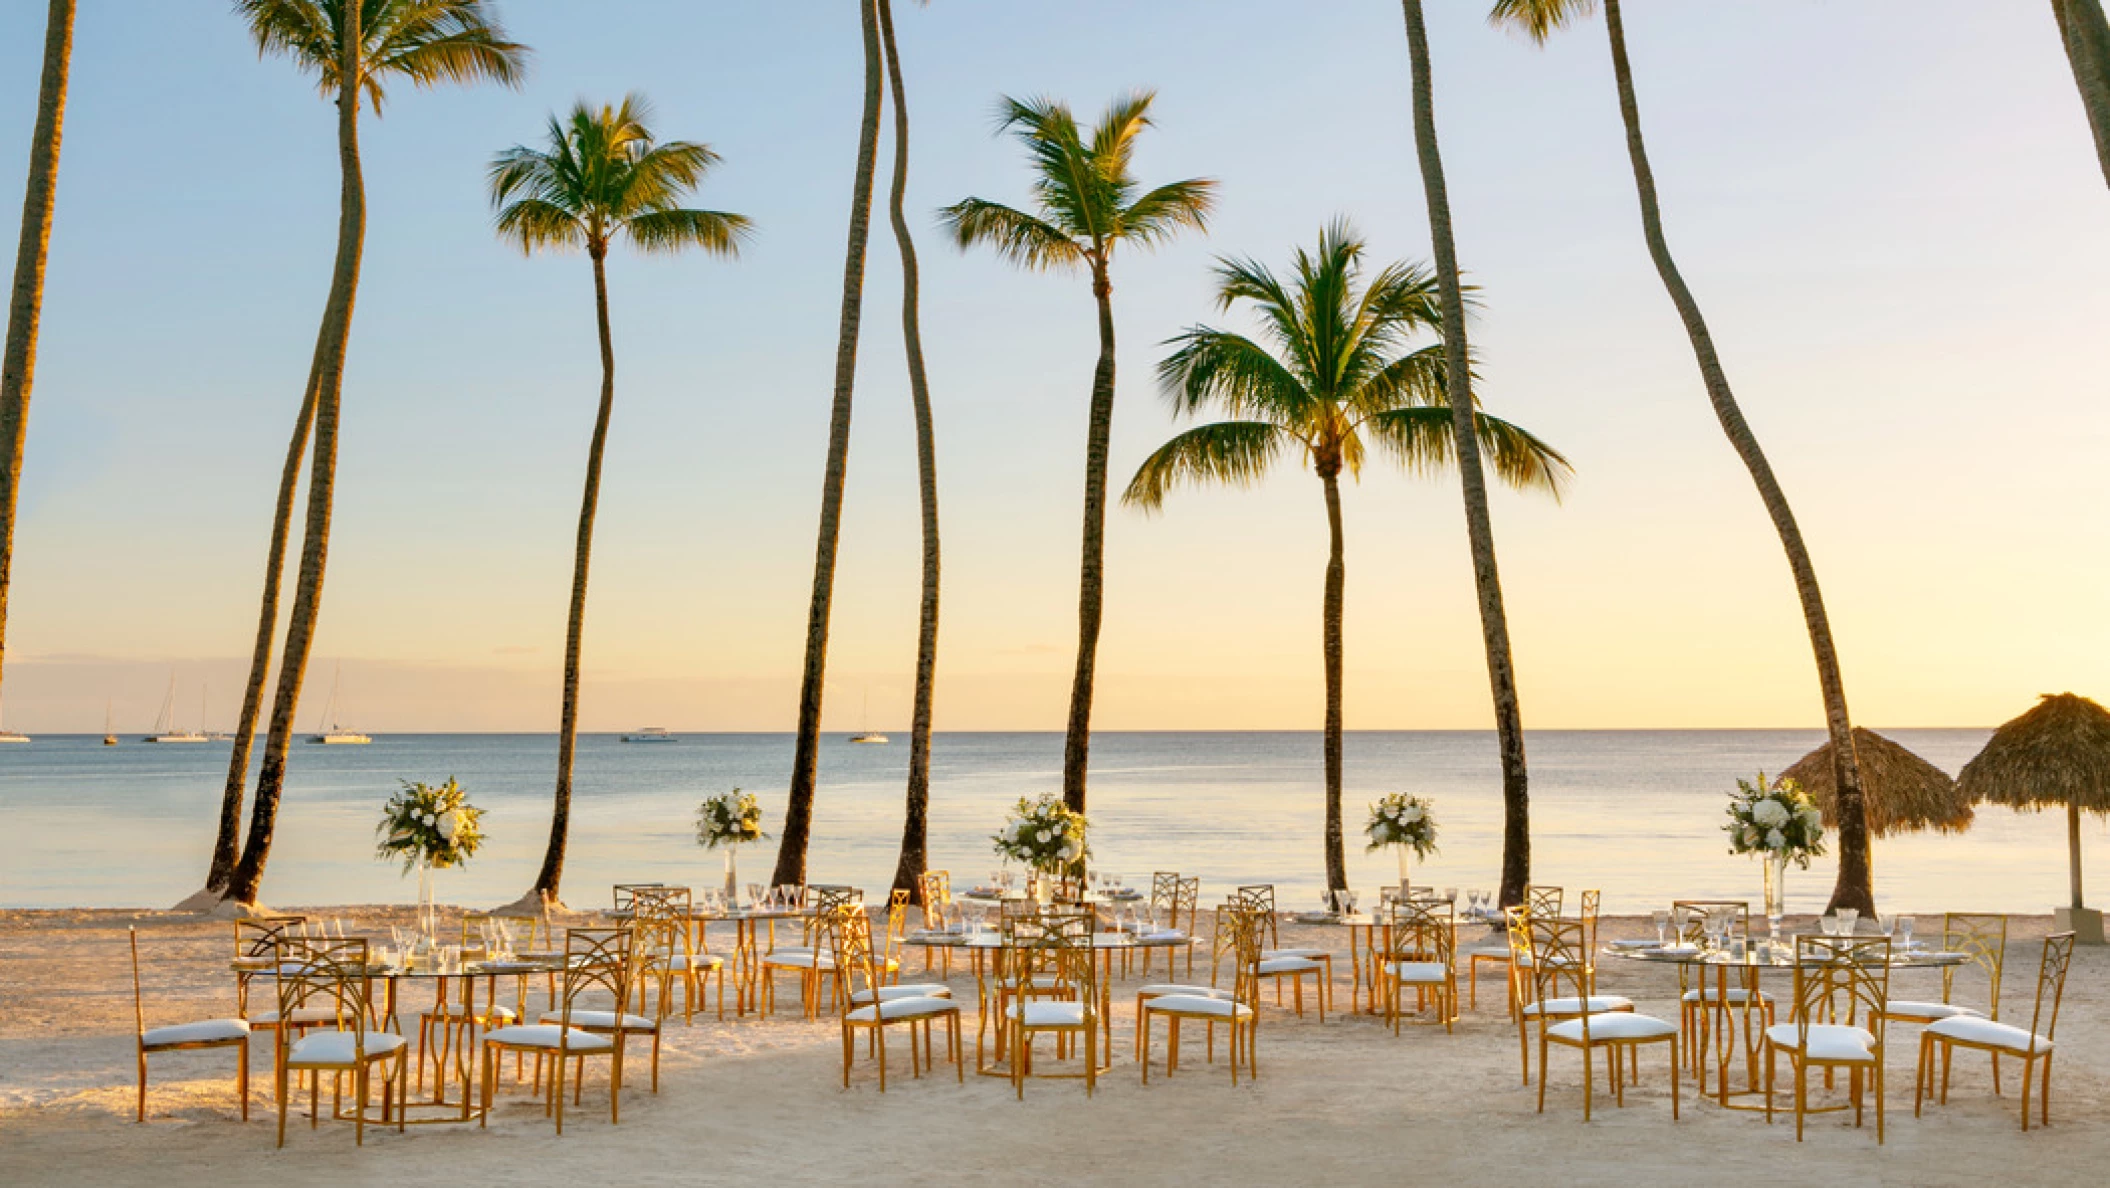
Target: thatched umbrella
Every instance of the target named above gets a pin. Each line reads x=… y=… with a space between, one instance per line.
x=1902 y=792
x=2056 y=754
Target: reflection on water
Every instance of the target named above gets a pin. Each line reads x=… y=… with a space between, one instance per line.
x=1636 y=813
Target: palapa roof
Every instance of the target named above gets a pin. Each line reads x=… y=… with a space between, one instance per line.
x=1900 y=791
x=2055 y=755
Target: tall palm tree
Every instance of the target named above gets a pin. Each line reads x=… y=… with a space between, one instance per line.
x=1339 y=372
x=19 y=365
x=915 y=825
x=600 y=176
x=1088 y=204
x=806 y=749
x=355 y=51
x=1479 y=528
x=2086 y=35
x=1539 y=19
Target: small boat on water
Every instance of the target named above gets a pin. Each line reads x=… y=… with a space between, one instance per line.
x=335 y=735
x=649 y=734
x=865 y=736
x=165 y=730
x=109 y=735
x=870 y=738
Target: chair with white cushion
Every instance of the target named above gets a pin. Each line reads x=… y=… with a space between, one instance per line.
x=1237 y=1009
x=936 y=889
x=311 y=972
x=1059 y=993
x=1530 y=1009
x=812 y=960
x=204 y=1035
x=665 y=943
x=1418 y=956
x=1568 y=1016
x=598 y=965
x=1982 y=936
x=1702 y=1006
x=872 y=1006
x=1832 y=972
x=653 y=930
x=2002 y=1039
x=256 y=941
x=1277 y=963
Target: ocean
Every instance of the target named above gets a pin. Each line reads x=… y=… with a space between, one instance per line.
x=1635 y=813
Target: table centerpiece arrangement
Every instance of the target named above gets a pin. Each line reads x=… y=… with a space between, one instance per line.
x=1780 y=823
x=1404 y=824
x=429 y=827
x=726 y=823
x=1045 y=836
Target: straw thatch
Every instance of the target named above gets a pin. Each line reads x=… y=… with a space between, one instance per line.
x=1900 y=791
x=2054 y=756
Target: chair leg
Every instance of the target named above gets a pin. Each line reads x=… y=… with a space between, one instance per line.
x=142 y=1085
x=1674 y=1078
x=2025 y=1091
x=1919 y=1076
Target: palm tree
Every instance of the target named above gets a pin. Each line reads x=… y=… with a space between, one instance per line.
x=805 y=759
x=1088 y=205
x=1539 y=19
x=1338 y=373
x=2086 y=35
x=355 y=51
x=915 y=825
x=599 y=177
x=1479 y=529
x=18 y=369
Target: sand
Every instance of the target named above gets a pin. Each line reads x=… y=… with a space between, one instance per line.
x=758 y=1100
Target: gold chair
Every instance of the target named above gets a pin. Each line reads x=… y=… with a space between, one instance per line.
x=936 y=889
x=1827 y=970
x=1277 y=963
x=1531 y=1007
x=1422 y=937
x=813 y=959
x=256 y=941
x=597 y=962
x=656 y=929
x=1699 y=1005
x=667 y=953
x=872 y=1006
x=450 y=1022
x=201 y=1036
x=1238 y=1009
x=1981 y=935
x=1232 y=923
x=335 y=971
x=1619 y=1031
x=1059 y=992
x=1164 y=908
x=626 y=895
x=2001 y=1039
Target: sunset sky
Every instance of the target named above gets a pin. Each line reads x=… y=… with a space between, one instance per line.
x=1897 y=230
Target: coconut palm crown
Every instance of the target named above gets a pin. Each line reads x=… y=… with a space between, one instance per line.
x=427 y=42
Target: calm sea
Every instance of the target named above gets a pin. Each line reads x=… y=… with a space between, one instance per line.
x=1636 y=813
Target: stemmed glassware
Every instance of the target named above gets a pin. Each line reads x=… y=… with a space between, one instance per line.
x=1847 y=918
x=1661 y=919
x=1904 y=927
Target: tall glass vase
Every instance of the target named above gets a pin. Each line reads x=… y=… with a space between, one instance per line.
x=1043 y=888
x=1403 y=852
x=428 y=915
x=732 y=878
x=1776 y=867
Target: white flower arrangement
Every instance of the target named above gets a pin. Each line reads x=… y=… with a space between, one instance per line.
x=1775 y=819
x=733 y=819
x=1043 y=834
x=433 y=824
x=1402 y=820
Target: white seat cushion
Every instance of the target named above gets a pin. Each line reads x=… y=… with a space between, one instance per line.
x=337 y=1048
x=453 y=1010
x=1288 y=965
x=1598 y=1004
x=544 y=1035
x=1975 y=1030
x=1164 y=988
x=1736 y=996
x=1617 y=1025
x=1422 y=973
x=301 y=1016
x=1050 y=1014
x=208 y=1031
x=1307 y=954
x=912 y=990
x=1195 y=1004
x=783 y=960
x=1828 y=1042
x=1926 y=1012
x=914 y=1007
x=601 y=1020
x=696 y=961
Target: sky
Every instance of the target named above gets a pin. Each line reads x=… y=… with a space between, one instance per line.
x=1896 y=227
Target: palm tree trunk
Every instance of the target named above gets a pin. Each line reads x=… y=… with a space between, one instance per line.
x=226 y=848
x=915 y=826
x=26 y=304
x=1091 y=594
x=805 y=759
x=1336 y=580
x=1480 y=534
x=552 y=873
x=2087 y=36
x=1854 y=888
x=331 y=344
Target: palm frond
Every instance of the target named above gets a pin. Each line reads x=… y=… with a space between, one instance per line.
x=1417 y=379
x=1230 y=370
x=1013 y=234
x=716 y=232
x=535 y=224
x=428 y=42
x=1421 y=439
x=1236 y=453
x=1159 y=215
x=1538 y=19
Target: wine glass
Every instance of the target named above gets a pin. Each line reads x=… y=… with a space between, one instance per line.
x=1450 y=894
x=1847 y=918
x=1661 y=918
x=1904 y=926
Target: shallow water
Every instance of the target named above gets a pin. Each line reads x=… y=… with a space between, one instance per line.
x=1636 y=813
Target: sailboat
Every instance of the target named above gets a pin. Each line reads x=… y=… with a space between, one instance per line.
x=12 y=736
x=165 y=722
x=335 y=735
x=109 y=735
x=868 y=737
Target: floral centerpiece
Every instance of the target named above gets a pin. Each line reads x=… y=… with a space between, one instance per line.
x=728 y=822
x=1044 y=835
x=1402 y=823
x=1779 y=822
x=429 y=827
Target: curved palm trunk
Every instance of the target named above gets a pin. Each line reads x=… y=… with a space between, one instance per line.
x=552 y=872
x=331 y=343
x=1494 y=619
x=1854 y=888
x=1336 y=581
x=225 y=848
x=805 y=759
x=915 y=826
x=2086 y=34
x=26 y=304
x=1091 y=594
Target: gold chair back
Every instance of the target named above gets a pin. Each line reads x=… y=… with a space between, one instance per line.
x=2051 y=981
x=1423 y=931
x=597 y=961
x=335 y=969
x=1245 y=929
x=1689 y=916
x=626 y=894
x=1260 y=897
x=850 y=935
x=1983 y=935
x=936 y=887
x=1543 y=901
x=1558 y=955
x=1187 y=903
x=1053 y=955
x=1164 y=892
x=1832 y=972
x=256 y=950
